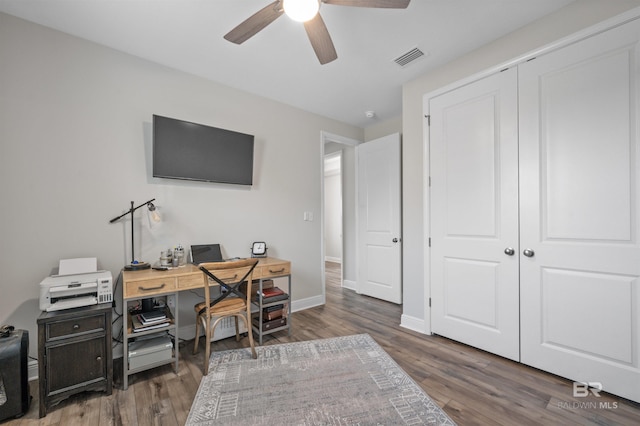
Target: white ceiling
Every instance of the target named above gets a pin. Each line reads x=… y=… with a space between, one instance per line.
x=278 y=62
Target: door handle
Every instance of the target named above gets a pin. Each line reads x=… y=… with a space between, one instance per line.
x=528 y=252
x=509 y=251
x=395 y=240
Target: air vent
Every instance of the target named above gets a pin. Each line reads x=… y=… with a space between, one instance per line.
x=410 y=56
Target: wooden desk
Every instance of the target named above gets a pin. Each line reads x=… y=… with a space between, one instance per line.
x=151 y=283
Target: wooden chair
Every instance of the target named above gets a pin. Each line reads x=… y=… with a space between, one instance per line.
x=232 y=303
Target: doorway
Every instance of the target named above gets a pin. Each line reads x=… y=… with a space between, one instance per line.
x=338 y=209
x=333 y=207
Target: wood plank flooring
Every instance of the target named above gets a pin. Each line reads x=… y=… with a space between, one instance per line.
x=472 y=386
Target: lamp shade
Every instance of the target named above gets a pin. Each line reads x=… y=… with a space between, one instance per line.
x=154 y=216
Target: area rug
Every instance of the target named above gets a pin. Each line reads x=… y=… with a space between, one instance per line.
x=340 y=382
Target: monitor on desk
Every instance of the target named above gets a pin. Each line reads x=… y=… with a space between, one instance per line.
x=202 y=253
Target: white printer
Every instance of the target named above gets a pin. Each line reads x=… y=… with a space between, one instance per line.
x=71 y=291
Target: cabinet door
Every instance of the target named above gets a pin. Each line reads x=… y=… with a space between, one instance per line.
x=579 y=211
x=474 y=214
x=76 y=364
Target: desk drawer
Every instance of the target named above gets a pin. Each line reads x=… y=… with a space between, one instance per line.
x=145 y=288
x=274 y=270
x=191 y=281
x=68 y=328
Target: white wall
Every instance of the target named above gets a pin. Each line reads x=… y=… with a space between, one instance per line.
x=566 y=21
x=75 y=140
x=332 y=210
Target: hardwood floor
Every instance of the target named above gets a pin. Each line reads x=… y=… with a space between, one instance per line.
x=473 y=387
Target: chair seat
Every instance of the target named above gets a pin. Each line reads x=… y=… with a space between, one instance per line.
x=224 y=307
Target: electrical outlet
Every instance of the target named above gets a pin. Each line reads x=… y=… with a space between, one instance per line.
x=171 y=301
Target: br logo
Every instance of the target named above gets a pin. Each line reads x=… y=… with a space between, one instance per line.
x=581 y=389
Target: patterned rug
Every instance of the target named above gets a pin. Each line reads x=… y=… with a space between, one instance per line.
x=340 y=381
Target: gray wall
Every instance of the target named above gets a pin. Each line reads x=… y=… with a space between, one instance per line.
x=75 y=138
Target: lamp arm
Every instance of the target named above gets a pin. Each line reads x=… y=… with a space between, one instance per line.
x=131 y=210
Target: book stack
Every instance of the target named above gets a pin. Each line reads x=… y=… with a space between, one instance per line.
x=150 y=320
x=272 y=317
x=273 y=294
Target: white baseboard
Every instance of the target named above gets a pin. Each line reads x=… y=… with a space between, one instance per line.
x=310 y=302
x=351 y=285
x=32 y=369
x=413 y=323
x=333 y=259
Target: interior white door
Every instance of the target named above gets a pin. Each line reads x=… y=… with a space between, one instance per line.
x=379 y=219
x=474 y=214
x=579 y=207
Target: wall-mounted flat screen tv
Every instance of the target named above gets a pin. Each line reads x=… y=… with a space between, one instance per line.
x=184 y=150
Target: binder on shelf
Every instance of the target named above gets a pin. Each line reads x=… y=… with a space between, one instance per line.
x=271 y=292
x=273 y=314
x=278 y=307
x=155 y=315
x=274 y=308
x=269 y=325
x=266 y=300
x=153 y=322
x=138 y=324
x=270 y=296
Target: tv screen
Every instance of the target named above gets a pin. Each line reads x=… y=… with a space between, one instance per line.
x=184 y=150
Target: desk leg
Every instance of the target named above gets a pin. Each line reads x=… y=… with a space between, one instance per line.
x=125 y=346
x=290 y=301
x=260 y=312
x=176 y=340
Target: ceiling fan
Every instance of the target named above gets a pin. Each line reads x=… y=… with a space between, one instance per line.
x=306 y=11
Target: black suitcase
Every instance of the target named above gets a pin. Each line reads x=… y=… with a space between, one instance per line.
x=14 y=381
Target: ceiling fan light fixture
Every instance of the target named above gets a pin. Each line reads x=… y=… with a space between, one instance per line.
x=301 y=10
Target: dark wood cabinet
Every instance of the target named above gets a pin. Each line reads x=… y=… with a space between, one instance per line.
x=74 y=353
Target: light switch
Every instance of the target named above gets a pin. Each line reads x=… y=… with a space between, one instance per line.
x=308 y=216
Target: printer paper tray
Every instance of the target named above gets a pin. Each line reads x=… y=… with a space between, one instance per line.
x=76 y=302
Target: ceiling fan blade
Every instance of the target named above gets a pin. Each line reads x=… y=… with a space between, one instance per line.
x=320 y=40
x=389 y=4
x=255 y=23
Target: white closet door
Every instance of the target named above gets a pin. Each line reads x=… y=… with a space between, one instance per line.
x=474 y=214
x=579 y=212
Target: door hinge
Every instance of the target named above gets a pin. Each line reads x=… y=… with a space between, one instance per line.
x=429 y=241
x=429 y=181
x=429 y=302
x=428 y=117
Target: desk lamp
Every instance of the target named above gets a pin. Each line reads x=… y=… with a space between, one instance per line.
x=136 y=265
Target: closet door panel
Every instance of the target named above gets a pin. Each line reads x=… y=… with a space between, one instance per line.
x=474 y=214
x=579 y=211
